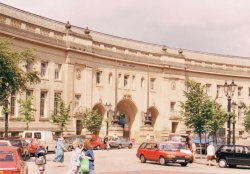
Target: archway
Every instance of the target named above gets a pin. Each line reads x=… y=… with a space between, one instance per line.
x=154 y=114
x=100 y=110
x=127 y=108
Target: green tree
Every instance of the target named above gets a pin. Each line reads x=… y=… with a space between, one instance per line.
x=61 y=114
x=196 y=108
x=216 y=120
x=92 y=120
x=15 y=75
x=26 y=112
x=246 y=121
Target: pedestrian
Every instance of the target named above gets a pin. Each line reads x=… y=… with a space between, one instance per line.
x=210 y=153
x=88 y=153
x=107 y=145
x=59 y=152
x=74 y=165
x=148 y=138
x=105 y=141
x=193 y=150
x=40 y=158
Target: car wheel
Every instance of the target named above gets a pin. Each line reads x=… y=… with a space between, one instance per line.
x=143 y=159
x=119 y=146
x=162 y=161
x=184 y=164
x=222 y=163
x=130 y=146
x=232 y=166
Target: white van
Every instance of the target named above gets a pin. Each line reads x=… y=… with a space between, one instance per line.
x=44 y=136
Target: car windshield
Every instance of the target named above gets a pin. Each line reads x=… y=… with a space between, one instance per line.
x=6 y=156
x=172 y=146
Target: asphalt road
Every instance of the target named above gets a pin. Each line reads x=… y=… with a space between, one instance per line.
x=124 y=161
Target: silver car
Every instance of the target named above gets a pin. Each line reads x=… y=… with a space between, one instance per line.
x=120 y=143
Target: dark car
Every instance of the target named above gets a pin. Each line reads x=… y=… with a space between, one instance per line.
x=69 y=141
x=120 y=143
x=233 y=155
x=162 y=152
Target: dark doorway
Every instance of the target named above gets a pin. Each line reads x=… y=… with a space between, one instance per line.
x=174 y=126
x=79 y=126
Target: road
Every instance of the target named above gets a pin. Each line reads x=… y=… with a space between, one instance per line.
x=124 y=161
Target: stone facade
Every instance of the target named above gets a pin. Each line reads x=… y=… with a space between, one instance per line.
x=91 y=69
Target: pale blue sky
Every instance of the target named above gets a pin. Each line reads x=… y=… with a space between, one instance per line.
x=215 y=26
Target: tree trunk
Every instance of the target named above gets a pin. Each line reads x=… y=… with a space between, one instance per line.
x=200 y=145
x=61 y=131
x=6 y=119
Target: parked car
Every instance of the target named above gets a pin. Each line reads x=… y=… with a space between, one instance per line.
x=5 y=143
x=120 y=143
x=183 y=148
x=44 y=136
x=161 y=152
x=98 y=143
x=69 y=141
x=11 y=161
x=17 y=143
x=233 y=155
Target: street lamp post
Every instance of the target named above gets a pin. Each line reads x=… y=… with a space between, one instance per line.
x=234 y=104
x=108 y=108
x=229 y=90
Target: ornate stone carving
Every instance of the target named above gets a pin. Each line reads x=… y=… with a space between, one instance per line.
x=78 y=74
x=68 y=26
x=86 y=31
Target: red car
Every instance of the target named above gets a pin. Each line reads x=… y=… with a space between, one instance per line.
x=162 y=152
x=11 y=161
x=98 y=143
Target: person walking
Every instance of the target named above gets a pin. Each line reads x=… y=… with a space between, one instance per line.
x=88 y=153
x=193 y=150
x=59 y=152
x=74 y=165
x=210 y=153
x=40 y=158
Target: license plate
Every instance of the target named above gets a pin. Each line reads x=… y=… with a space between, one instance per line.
x=180 y=161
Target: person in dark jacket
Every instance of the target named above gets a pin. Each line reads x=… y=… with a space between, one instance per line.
x=40 y=158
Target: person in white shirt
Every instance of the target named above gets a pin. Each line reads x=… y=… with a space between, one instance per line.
x=210 y=153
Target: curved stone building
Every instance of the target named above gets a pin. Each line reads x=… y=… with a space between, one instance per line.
x=141 y=81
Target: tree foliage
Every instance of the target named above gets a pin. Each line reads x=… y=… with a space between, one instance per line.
x=61 y=114
x=14 y=77
x=26 y=111
x=246 y=121
x=92 y=120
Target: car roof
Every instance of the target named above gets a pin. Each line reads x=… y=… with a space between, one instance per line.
x=9 y=148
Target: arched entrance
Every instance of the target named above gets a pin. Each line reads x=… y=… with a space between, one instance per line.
x=154 y=114
x=100 y=110
x=128 y=109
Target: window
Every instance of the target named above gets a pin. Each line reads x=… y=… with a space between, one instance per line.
x=133 y=83
x=13 y=105
x=172 y=106
x=44 y=66
x=142 y=82
x=119 y=80
x=37 y=135
x=57 y=96
x=239 y=149
x=110 y=78
x=29 y=66
x=57 y=71
x=240 y=113
x=208 y=89
x=98 y=77
x=29 y=93
x=126 y=81
x=28 y=135
x=240 y=91
x=152 y=84
x=77 y=100
x=218 y=91
x=43 y=103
